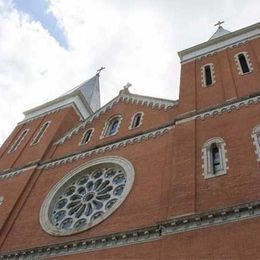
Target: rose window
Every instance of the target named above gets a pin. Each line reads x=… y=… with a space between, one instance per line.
x=86 y=197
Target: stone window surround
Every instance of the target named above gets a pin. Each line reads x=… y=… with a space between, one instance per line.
x=133 y=118
x=18 y=141
x=254 y=135
x=207 y=158
x=45 y=125
x=203 y=76
x=48 y=201
x=83 y=136
x=238 y=65
x=107 y=123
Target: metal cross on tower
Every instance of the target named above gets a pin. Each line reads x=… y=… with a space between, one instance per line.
x=99 y=70
x=218 y=24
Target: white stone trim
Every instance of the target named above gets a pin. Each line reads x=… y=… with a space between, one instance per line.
x=255 y=134
x=107 y=148
x=44 y=109
x=207 y=158
x=83 y=136
x=154 y=103
x=220 y=43
x=238 y=65
x=133 y=118
x=172 y=226
x=39 y=132
x=104 y=133
x=18 y=141
x=1 y=200
x=8 y=174
x=47 y=204
x=203 y=75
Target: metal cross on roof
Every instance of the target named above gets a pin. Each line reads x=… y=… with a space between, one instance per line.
x=127 y=86
x=218 y=24
x=99 y=70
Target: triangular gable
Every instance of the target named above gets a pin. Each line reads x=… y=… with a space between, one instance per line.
x=124 y=96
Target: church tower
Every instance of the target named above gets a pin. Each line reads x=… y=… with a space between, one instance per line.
x=142 y=177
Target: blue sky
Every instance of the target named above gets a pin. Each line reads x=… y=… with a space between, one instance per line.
x=38 y=11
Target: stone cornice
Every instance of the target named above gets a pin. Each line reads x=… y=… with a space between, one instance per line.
x=171 y=226
x=8 y=174
x=126 y=98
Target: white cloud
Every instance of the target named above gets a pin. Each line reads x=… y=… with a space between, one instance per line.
x=136 y=40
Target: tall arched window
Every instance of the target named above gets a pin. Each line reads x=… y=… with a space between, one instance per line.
x=256 y=141
x=208 y=75
x=18 y=141
x=243 y=63
x=214 y=158
x=136 y=120
x=87 y=136
x=40 y=133
x=112 y=126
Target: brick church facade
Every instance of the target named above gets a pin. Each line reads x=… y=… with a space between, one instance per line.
x=142 y=177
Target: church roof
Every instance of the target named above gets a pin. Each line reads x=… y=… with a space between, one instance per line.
x=220 y=32
x=85 y=98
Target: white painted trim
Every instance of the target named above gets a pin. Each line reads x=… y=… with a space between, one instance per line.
x=220 y=43
x=42 y=110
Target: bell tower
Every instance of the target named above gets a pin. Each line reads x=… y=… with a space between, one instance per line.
x=220 y=70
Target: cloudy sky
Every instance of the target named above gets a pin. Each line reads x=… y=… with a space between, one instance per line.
x=49 y=46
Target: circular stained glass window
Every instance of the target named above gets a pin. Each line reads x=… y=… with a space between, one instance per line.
x=87 y=196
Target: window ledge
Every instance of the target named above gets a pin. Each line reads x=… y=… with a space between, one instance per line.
x=208 y=176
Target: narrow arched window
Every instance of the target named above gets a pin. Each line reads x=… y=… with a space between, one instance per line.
x=243 y=63
x=208 y=75
x=40 y=133
x=214 y=158
x=136 y=120
x=86 y=136
x=216 y=163
x=18 y=140
x=111 y=126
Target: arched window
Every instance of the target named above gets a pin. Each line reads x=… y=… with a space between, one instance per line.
x=136 y=120
x=208 y=75
x=256 y=141
x=40 y=133
x=87 y=136
x=243 y=63
x=214 y=158
x=18 y=141
x=215 y=154
x=111 y=126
